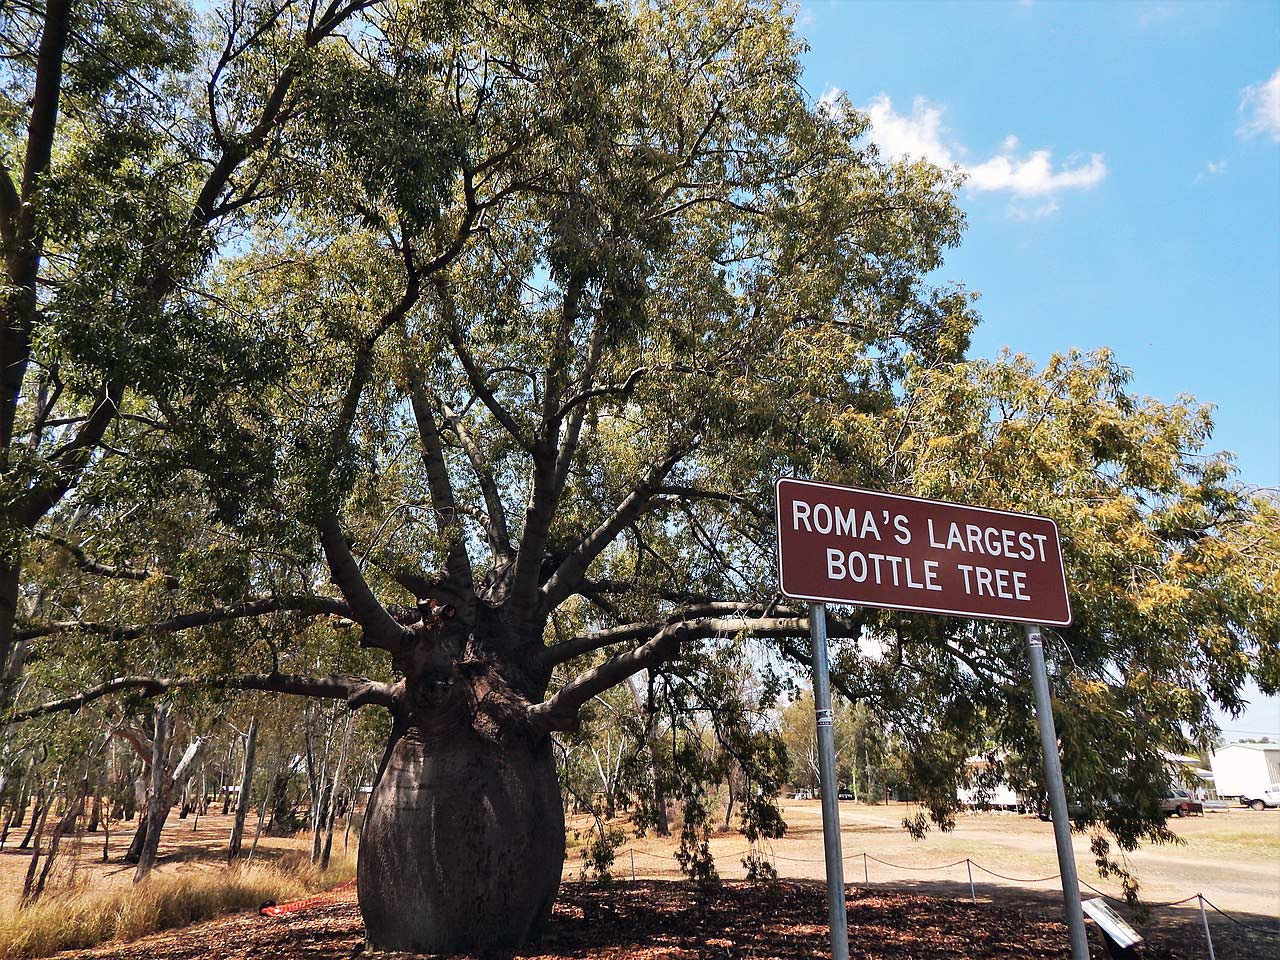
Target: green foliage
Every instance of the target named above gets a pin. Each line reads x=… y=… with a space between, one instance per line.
x=617 y=254
x=600 y=852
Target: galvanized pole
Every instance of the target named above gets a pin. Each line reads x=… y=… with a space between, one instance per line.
x=1204 y=919
x=827 y=772
x=1057 y=795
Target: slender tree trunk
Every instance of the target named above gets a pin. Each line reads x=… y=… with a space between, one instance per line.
x=333 y=795
x=351 y=815
x=246 y=783
x=24 y=795
x=661 y=825
x=106 y=835
x=199 y=801
x=158 y=806
x=67 y=821
x=134 y=851
x=320 y=790
x=10 y=572
x=318 y=820
x=267 y=804
x=40 y=809
x=37 y=824
x=222 y=779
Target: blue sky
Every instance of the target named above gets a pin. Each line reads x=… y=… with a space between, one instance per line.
x=1124 y=191
x=1124 y=163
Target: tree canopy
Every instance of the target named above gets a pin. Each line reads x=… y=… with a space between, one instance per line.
x=374 y=351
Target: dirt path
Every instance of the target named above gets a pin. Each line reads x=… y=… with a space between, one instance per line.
x=1233 y=857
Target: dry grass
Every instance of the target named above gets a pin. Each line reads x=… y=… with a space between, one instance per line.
x=80 y=920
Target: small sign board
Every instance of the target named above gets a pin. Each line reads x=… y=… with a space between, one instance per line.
x=841 y=544
x=1112 y=924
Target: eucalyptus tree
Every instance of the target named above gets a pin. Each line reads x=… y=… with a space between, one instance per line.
x=515 y=330
x=537 y=287
x=131 y=136
x=1173 y=567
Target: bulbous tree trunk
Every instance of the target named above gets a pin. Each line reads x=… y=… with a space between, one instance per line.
x=463 y=843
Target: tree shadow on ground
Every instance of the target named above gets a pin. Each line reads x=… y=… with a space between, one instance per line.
x=672 y=920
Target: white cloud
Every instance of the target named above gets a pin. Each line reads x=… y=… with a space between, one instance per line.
x=1261 y=105
x=1154 y=13
x=918 y=136
x=922 y=135
x=1211 y=169
x=1018 y=211
x=1034 y=175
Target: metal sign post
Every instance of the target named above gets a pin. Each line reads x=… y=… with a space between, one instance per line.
x=827 y=775
x=842 y=544
x=1057 y=795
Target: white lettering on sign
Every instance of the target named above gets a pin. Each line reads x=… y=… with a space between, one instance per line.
x=882 y=568
x=848 y=545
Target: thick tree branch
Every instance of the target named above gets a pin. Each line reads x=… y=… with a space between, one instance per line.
x=380 y=628
x=89 y=565
x=448 y=522
x=315 y=606
x=70 y=459
x=496 y=528
x=619 y=389
x=10 y=206
x=475 y=376
x=236 y=149
x=561 y=711
x=45 y=98
x=703 y=620
x=357 y=691
x=571 y=432
x=564 y=581
x=544 y=488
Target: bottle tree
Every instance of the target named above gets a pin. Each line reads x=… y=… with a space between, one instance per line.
x=501 y=344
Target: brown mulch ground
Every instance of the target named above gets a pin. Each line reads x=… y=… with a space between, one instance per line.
x=661 y=920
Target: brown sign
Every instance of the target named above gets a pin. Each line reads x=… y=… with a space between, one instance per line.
x=867 y=548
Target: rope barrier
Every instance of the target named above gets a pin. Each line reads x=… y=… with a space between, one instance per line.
x=899 y=866
x=973 y=863
x=1241 y=923
x=1149 y=906
x=1014 y=879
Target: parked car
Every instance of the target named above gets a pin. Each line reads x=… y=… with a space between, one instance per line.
x=801 y=795
x=1075 y=810
x=845 y=795
x=1180 y=803
x=1268 y=796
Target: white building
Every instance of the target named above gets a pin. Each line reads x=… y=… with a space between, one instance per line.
x=1245 y=768
x=998 y=795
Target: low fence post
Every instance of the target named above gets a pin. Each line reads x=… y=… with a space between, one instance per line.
x=968 y=864
x=1204 y=919
x=633 y=865
x=866 y=877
